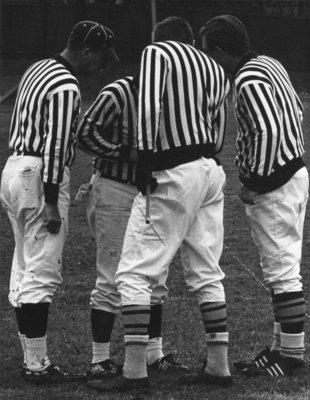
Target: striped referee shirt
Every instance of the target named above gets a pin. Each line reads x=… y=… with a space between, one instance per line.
x=182 y=104
x=108 y=129
x=269 y=114
x=45 y=116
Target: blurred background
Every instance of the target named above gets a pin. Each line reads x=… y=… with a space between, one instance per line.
x=35 y=28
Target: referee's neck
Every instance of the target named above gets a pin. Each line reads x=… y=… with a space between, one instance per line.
x=72 y=58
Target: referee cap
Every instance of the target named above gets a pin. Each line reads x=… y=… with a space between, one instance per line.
x=228 y=33
x=94 y=36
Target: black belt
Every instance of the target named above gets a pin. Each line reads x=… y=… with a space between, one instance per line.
x=27 y=153
x=181 y=155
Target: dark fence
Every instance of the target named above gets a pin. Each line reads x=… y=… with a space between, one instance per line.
x=42 y=29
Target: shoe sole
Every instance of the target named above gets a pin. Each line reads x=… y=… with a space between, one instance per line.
x=98 y=377
x=101 y=387
x=272 y=372
x=220 y=381
x=39 y=381
x=168 y=370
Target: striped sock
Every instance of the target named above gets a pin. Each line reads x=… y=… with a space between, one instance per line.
x=135 y=356
x=291 y=311
x=275 y=346
x=276 y=340
x=217 y=360
x=214 y=316
x=136 y=322
x=292 y=345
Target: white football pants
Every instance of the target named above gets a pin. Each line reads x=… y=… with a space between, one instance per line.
x=277 y=222
x=186 y=210
x=37 y=260
x=108 y=209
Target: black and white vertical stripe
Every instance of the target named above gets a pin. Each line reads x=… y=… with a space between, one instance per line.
x=45 y=117
x=182 y=99
x=108 y=125
x=269 y=115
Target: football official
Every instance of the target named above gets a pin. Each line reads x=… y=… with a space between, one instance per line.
x=35 y=185
x=270 y=147
x=181 y=125
x=108 y=131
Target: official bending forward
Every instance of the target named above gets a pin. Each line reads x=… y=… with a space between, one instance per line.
x=181 y=125
x=35 y=186
x=108 y=131
x=270 y=147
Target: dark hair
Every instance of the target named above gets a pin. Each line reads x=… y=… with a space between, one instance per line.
x=228 y=33
x=174 y=28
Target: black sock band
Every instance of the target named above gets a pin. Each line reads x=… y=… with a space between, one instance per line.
x=102 y=323
x=20 y=320
x=155 y=321
x=34 y=319
x=274 y=306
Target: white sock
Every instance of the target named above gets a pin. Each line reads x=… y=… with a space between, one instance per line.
x=135 y=356
x=37 y=359
x=217 y=361
x=22 y=339
x=276 y=340
x=292 y=345
x=101 y=352
x=154 y=350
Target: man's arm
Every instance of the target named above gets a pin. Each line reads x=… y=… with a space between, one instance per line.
x=259 y=105
x=220 y=120
x=62 y=112
x=153 y=72
x=95 y=128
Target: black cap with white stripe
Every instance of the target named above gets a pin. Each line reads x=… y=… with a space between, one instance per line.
x=92 y=35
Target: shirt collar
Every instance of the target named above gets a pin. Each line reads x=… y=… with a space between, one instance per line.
x=65 y=63
x=247 y=57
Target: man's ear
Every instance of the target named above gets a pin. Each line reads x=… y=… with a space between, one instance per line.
x=85 y=53
x=220 y=51
x=225 y=59
x=221 y=55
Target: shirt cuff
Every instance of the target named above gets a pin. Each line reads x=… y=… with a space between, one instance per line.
x=51 y=191
x=124 y=152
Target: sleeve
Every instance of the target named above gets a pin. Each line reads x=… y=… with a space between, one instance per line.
x=220 y=120
x=300 y=108
x=94 y=131
x=153 y=73
x=61 y=111
x=260 y=107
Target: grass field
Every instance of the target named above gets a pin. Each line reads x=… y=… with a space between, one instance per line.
x=250 y=318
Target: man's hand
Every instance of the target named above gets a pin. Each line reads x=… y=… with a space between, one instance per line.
x=133 y=155
x=143 y=179
x=53 y=220
x=144 y=170
x=247 y=196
